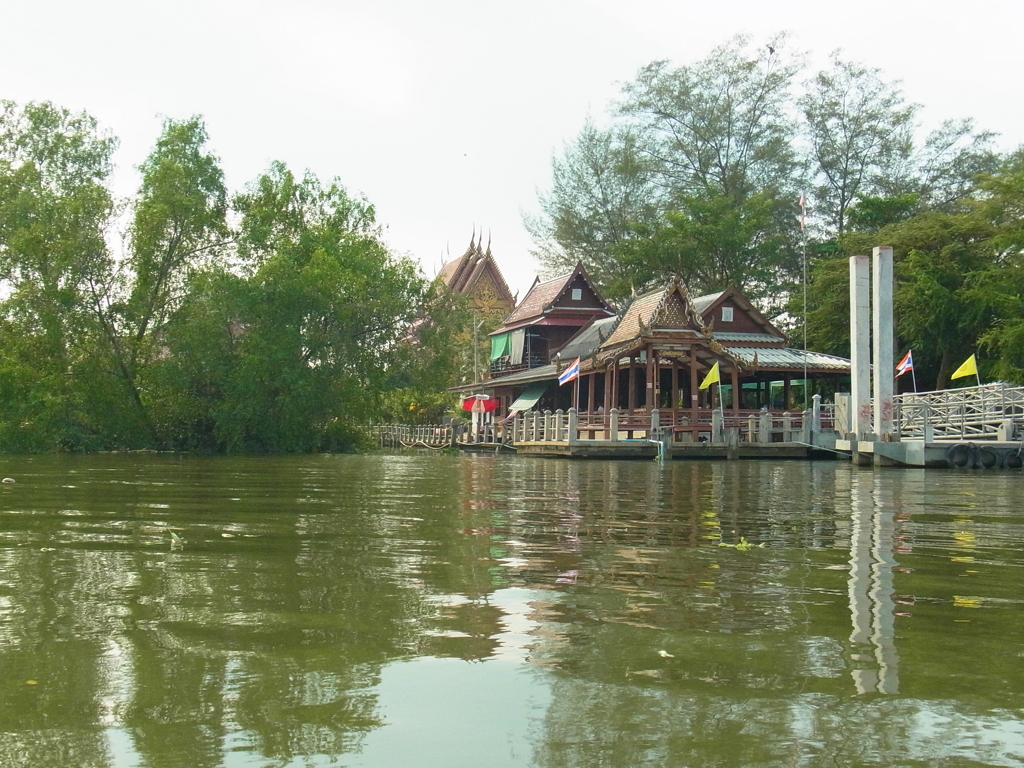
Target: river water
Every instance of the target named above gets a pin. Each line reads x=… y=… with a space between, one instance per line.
x=437 y=610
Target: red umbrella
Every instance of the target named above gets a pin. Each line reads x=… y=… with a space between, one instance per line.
x=480 y=404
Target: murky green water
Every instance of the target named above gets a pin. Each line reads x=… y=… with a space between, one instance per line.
x=494 y=611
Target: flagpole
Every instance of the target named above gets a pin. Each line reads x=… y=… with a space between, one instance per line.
x=913 y=376
x=803 y=232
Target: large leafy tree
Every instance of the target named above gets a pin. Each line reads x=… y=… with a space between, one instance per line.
x=294 y=352
x=860 y=132
x=54 y=211
x=178 y=226
x=711 y=242
x=960 y=278
x=602 y=187
x=720 y=126
x=698 y=178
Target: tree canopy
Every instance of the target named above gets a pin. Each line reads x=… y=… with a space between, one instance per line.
x=699 y=170
x=272 y=320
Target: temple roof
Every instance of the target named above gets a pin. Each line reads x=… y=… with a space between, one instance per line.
x=670 y=306
x=462 y=274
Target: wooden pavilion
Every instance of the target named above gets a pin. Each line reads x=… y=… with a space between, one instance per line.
x=666 y=343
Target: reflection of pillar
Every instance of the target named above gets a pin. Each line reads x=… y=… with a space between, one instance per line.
x=873 y=647
x=860 y=330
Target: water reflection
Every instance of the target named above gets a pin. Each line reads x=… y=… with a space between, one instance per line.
x=873 y=645
x=365 y=610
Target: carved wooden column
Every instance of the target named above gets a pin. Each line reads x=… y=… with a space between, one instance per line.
x=631 y=402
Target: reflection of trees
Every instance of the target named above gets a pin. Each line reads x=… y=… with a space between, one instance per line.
x=46 y=629
x=669 y=649
x=250 y=636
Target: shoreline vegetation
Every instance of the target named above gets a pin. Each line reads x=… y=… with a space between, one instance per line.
x=274 y=319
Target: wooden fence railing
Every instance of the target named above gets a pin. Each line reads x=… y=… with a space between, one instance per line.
x=712 y=426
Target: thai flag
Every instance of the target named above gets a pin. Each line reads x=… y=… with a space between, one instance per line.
x=906 y=364
x=570 y=373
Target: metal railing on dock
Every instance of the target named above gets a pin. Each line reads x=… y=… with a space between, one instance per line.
x=988 y=412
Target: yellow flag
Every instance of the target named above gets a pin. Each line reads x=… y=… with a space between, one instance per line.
x=969 y=368
x=711 y=378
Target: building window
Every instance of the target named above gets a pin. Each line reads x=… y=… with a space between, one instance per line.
x=577 y=294
x=726 y=314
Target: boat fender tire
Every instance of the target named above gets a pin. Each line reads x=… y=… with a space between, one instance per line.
x=987 y=458
x=1013 y=460
x=960 y=456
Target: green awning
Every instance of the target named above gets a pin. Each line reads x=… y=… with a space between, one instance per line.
x=530 y=396
x=500 y=345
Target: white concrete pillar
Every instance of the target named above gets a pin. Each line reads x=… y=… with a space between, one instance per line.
x=882 y=339
x=860 y=335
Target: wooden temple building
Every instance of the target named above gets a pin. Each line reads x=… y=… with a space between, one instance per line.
x=654 y=355
x=475 y=274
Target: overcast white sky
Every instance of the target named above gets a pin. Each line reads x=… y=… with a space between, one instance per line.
x=446 y=114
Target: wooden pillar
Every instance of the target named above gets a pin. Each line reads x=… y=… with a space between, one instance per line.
x=615 y=384
x=608 y=378
x=631 y=402
x=591 y=381
x=651 y=399
x=694 y=383
x=735 y=391
x=674 y=405
x=785 y=392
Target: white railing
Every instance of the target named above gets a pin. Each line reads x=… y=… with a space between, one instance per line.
x=415 y=435
x=989 y=412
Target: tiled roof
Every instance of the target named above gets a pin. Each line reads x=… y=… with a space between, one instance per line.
x=542 y=296
x=589 y=339
x=748 y=337
x=701 y=303
x=541 y=373
x=642 y=309
x=790 y=358
x=537 y=300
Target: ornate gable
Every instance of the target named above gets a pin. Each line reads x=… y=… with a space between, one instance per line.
x=476 y=275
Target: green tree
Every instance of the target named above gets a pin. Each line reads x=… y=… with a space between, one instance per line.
x=300 y=355
x=711 y=243
x=860 y=132
x=698 y=177
x=960 y=279
x=54 y=209
x=178 y=227
x=721 y=126
x=601 y=188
